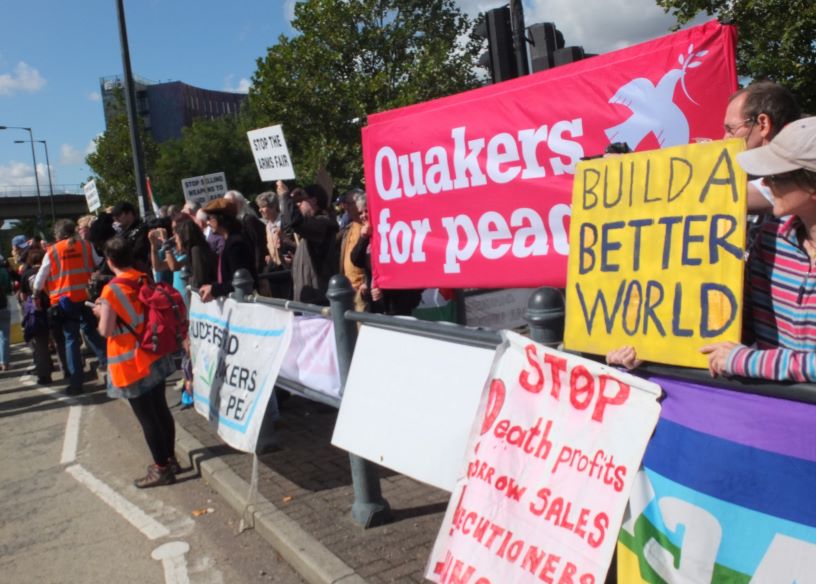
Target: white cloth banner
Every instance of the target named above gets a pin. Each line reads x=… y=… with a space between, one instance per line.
x=237 y=350
x=312 y=356
x=553 y=452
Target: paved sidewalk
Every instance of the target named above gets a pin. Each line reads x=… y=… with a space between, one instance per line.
x=309 y=482
x=305 y=495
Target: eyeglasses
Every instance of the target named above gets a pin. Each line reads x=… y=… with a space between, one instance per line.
x=732 y=130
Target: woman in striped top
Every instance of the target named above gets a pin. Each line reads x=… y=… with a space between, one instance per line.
x=780 y=304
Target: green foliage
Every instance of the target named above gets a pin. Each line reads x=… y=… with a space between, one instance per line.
x=777 y=39
x=352 y=58
x=112 y=162
x=208 y=146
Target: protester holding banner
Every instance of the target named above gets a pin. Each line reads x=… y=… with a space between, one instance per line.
x=354 y=202
x=305 y=212
x=781 y=299
x=236 y=254
x=392 y=302
x=135 y=374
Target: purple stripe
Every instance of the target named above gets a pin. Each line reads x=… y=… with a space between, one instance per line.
x=776 y=425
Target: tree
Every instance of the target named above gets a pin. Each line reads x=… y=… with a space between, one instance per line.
x=776 y=39
x=218 y=145
x=353 y=58
x=112 y=162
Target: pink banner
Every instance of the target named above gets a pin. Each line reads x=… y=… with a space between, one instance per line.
x=473 y=190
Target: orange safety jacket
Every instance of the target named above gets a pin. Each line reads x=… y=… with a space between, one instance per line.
x=71 y=268
x=127 y=362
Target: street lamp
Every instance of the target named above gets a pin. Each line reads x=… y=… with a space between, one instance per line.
x=50 y=182
x=36 y=178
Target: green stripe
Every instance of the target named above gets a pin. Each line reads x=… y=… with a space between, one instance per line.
x=645 y=530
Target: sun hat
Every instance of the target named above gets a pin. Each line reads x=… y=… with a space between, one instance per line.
x=791 y=149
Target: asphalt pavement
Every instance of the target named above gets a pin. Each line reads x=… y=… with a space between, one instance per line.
x=300 y=521
x=70 y=513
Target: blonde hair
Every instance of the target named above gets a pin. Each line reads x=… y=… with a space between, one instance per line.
x=86 y=221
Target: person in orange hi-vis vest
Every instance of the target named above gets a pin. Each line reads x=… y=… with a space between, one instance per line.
x=133 y=373
x=65 y=272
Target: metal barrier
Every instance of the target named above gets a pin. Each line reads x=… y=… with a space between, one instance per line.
x=545 y=315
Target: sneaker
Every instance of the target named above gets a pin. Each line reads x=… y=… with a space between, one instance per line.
x=44 y=380
x=73 y=390
x=156 y=476
x=174 y=465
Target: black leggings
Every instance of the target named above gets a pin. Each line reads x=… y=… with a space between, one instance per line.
x=157 y=423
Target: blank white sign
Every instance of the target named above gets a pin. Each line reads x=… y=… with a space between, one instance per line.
x=409 y=403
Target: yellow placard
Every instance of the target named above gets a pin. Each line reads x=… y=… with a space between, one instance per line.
x=656 y=252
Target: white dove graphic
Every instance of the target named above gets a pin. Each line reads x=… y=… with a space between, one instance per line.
x=653 y=107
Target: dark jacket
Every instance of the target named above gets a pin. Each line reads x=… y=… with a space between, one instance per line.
x=393 y=302
x=203 y=263
x=317 y=256
x=237 y=254
x=254 y=232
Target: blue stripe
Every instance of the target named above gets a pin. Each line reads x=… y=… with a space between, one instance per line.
x=235 y=328
x=746 y=534
x=770 y=483
x=229 y=423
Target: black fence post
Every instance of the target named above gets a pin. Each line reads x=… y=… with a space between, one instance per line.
x=369 y=508
x=243 y=284
x=545 y=315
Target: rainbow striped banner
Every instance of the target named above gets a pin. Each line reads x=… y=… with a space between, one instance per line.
x=727 y=491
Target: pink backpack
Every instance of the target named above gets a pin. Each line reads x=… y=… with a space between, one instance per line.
x=166 y=321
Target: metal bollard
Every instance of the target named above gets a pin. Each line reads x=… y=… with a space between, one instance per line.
x=185 y=274
x=369 y=508
x=243 y=284
x=545 y=315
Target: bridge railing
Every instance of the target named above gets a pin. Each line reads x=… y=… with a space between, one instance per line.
x=31 y=190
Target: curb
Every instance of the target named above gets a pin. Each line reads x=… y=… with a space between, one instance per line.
x=311 y=559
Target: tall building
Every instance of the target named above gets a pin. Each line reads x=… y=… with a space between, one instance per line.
x=166 y=108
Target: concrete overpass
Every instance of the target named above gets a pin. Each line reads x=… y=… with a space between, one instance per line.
x=66 y=205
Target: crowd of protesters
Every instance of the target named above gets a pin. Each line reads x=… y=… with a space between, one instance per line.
x=83 y=286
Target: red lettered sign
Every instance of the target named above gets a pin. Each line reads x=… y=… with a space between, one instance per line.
x=473 y=190
x=552 y=455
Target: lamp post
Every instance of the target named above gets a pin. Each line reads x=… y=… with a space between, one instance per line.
x=36 y=178
x=50 y=182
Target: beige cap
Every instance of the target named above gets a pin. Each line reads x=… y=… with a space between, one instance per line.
x=791 y=149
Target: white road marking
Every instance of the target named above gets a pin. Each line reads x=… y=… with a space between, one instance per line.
x=69 y=445
x=171 y=555
x=149 y=527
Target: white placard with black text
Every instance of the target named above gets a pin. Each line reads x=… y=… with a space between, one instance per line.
x=271 y=154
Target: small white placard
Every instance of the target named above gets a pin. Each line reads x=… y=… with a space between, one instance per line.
x=203 y=189
x=91 y=195
x=271 y=154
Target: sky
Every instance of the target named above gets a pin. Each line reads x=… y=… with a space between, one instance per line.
x=53 y=53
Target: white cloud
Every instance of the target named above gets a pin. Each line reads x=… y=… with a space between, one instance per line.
x=599 y=26
x=94 y=96
x=289 y=10
x=20 y=174
x=91 y=147
x=242 y=86
x=24 y=78
x=70 y=156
